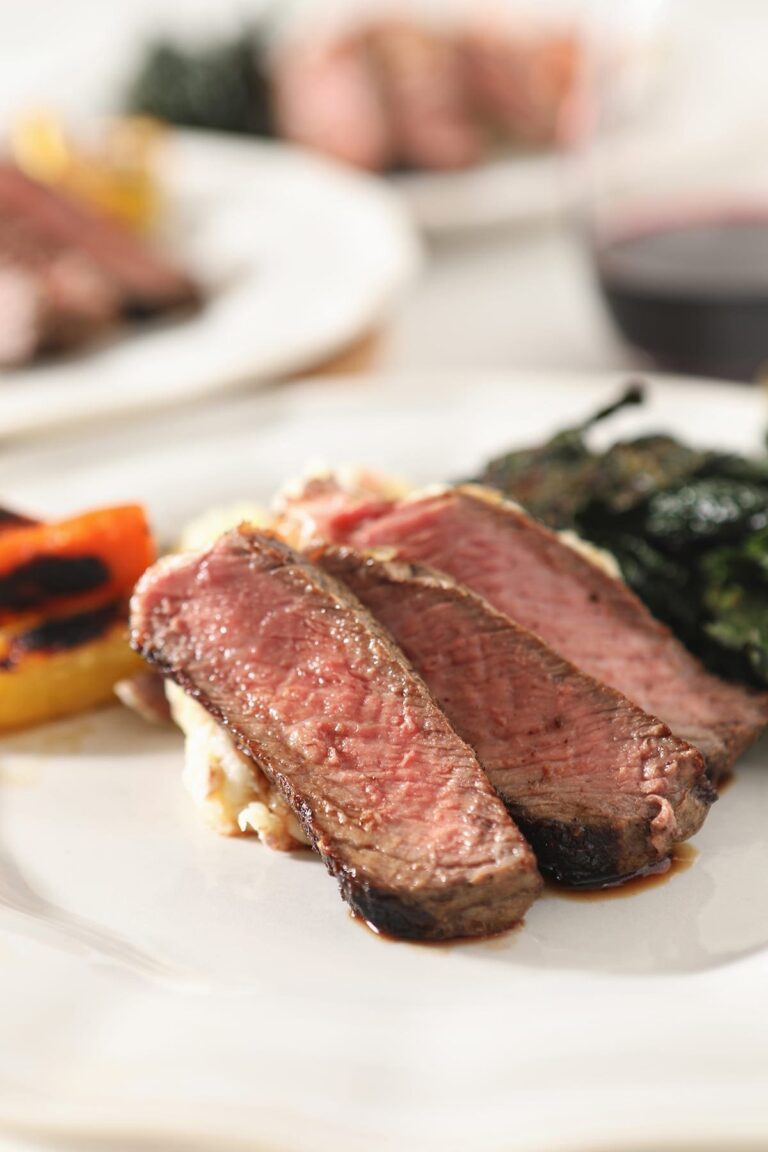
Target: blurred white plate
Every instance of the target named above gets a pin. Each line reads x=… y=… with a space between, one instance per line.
x=511 y=190
x=299 y=256
x=164 y=988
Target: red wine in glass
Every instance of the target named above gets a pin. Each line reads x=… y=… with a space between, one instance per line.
x=692 y=291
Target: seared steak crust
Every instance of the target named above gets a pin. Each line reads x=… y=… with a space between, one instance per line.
x=601 y=789
x=316 y=692
x=586 y=615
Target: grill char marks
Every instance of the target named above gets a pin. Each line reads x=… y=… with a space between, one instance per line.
x=10 y=519
x=316 y=692
x=35 y=582
x=591 y=619
x=60 y=633
x=600 y=789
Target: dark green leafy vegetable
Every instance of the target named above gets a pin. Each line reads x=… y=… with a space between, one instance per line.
x=740 y=622
x=223 y=87
x=705 y=510
x=556 y=480
x=632 y=471
x=689 y=529
x=654 y=576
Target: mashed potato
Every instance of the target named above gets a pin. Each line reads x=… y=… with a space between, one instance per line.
x=231 y=791
x=597 y=556
x=209 y=525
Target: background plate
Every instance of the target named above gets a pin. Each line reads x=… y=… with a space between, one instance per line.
x=161 y=987
x=299 y=257
x=514 y=189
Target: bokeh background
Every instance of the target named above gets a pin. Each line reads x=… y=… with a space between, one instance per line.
x=510 y=281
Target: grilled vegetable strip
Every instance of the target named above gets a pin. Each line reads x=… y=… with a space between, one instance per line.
x=38 y=685
x=63 y=610
x=85 y=561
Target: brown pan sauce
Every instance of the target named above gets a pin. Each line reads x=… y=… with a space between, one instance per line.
x=680 y=860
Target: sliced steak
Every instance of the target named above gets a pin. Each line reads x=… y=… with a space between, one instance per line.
x=421 y=78
x=51 y=297
x=52 y=308
x=325 y=97
x=601 y=789
x=586 y=615
x=25 y=322
x=520 y=82
x=318 y=695
x=147 y=282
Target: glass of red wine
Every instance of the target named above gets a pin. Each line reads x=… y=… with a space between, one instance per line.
x=675 y=203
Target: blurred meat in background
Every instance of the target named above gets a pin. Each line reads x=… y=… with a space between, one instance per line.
x=383 y=93
x=71 y=270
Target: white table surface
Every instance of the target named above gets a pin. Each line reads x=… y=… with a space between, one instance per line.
x=507 y=299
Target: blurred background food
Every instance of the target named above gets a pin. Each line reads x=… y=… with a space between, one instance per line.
x=113 y=172
x=70 y=269
x=64 y=591
x=223 y=86
x=386 y=94
x=589 y=172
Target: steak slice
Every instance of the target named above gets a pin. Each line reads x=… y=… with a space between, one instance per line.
x=148 y=283
x=421 y=79
x=50 y=309
x=325 y=97
x=318 y=695
x=586 y=615
x=600 y=789
x=520 y=82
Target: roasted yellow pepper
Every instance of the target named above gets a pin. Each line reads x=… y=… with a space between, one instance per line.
x=113 y=174
x=44 y=685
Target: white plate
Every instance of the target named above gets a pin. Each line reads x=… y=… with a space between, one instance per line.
x=165 y=988
x=514 y=189
x=300 y=258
